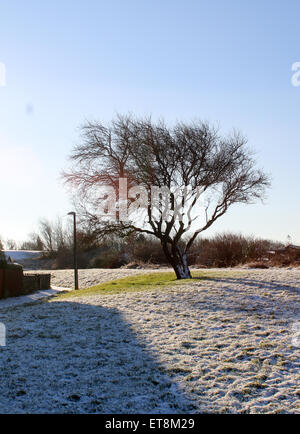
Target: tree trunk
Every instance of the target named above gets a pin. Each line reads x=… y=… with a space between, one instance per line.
x=178 y=259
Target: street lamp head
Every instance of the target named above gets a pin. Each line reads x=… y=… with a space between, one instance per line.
x=71 y=213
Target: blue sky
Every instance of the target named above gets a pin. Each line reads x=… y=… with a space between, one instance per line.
x=226 y=61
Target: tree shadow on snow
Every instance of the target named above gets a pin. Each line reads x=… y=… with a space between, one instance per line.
x=263 y=284
x=67 y=357
x=252 y=304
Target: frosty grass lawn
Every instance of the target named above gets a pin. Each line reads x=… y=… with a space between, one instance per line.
x=149 y=344
x=140 y=282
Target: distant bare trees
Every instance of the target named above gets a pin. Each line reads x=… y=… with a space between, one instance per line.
x=34 y=242
x=54 y=235
x=51 y=236
x=11 y=244
x=203 y=173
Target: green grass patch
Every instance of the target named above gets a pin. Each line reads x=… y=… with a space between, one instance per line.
x=143 y=282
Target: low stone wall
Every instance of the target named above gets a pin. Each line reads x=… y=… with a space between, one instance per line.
x=13 y=283
x=36 y=282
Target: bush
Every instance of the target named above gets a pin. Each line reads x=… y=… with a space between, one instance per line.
x=222 y=250
x=108 y=260
x=284 y=257
x=261 y=265
x=229 y=250
x=146 y=250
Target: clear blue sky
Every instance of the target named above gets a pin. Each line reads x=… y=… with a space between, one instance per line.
x=227 y=61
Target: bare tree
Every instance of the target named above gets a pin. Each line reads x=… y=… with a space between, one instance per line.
x=53 y=235
x=59 y=235
x=187 y=175
x=11 y=244
x=34 y=242
x=47 y=235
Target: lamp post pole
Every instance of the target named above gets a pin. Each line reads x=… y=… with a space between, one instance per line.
x=75 y=250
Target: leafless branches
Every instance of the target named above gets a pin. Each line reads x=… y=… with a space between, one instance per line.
x=193 y=161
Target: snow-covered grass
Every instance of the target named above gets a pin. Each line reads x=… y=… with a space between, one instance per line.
x=217 y=345
x=96 y=276
x=141 y=282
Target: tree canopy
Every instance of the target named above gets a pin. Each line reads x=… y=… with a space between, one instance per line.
x=172 y=182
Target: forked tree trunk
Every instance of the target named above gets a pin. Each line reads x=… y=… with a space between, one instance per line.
x=178 y=259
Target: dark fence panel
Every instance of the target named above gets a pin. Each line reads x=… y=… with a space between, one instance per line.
x=13 y=283
x=1 y=283
x=36 y=282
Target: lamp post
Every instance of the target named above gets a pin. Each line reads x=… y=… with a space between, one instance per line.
x=75 y=250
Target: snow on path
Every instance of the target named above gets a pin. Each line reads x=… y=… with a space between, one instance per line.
x=30 y=298
x=220 y=346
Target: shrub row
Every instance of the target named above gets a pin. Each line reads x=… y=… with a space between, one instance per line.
x=222 y=250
